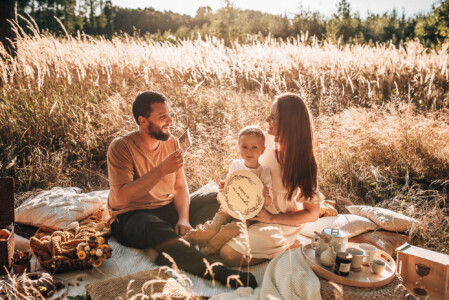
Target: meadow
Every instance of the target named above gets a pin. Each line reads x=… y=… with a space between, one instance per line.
x=380 y=113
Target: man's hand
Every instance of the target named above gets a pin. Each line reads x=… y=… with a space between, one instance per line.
x=172 y=162
x=266 y=195
x=182 y=227
x=263 y=216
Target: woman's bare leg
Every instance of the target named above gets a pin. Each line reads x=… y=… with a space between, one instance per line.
x=234 y=259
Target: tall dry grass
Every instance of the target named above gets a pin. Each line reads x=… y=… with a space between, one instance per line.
x=357 y=74
x=393 y=156
x=64 y=99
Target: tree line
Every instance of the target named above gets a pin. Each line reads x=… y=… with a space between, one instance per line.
x=101 y=17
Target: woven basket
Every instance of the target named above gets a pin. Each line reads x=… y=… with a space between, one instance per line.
x=154 y=283
x=60 y=263
x=7 y=222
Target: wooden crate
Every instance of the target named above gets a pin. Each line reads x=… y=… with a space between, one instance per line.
x=6 y=221
x=437 y=281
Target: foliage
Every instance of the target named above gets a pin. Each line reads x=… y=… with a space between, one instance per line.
x=97 y=17
x=434 y=29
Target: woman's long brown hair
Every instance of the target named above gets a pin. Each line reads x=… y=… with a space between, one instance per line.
x=295 y=138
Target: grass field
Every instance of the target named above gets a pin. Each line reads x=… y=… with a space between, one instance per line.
x=381 y=113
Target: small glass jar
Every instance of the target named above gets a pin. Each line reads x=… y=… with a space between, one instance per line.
x=343 y=263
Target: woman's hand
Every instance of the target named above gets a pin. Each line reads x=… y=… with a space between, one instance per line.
x=263 y=216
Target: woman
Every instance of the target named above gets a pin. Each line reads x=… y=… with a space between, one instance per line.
x=290 y=156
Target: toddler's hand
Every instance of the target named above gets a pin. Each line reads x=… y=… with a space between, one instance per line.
x=221 y=186
x=266 y=195
x=219 y=198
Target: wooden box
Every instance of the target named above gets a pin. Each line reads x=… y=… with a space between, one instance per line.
x=6 y=222
x=412 y=260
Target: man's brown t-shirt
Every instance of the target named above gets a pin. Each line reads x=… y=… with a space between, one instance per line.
x=128 y=160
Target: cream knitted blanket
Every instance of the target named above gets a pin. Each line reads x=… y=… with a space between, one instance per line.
x=288 y=276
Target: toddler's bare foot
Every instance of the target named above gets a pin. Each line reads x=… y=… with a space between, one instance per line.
x=199 y=236
x=194 y=237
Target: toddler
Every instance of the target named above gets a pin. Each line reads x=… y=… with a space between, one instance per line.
x=211 y=236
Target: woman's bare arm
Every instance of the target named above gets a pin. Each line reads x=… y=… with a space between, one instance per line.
x=309 y=213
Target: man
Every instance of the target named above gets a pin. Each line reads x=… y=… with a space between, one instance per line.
x=149 y=200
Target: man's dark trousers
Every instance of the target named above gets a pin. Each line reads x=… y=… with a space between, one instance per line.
x=154 y=228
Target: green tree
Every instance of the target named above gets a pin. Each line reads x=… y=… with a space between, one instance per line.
x=226 y=25
x=343 y=24
x=90 y=20
x=70 y=18
x=307 y=22
x=8 y=12
x=203 y=17
x=109 y=12
x=45 y=11
x=433 y=30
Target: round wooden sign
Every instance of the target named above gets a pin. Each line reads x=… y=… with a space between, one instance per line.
x=243 y=194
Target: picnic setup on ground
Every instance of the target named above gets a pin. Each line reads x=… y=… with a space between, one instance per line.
x=224 y=150
x=349 y=263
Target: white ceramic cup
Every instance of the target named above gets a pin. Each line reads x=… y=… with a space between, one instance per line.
x=377 y=266
x=358 y=257
x=369 y=250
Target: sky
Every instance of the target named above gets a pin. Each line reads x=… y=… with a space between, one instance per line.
x=325 y=7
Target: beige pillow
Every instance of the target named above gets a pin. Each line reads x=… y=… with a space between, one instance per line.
x=327 y=208
x=385 y=240
x=384 y=218
x=352 y=224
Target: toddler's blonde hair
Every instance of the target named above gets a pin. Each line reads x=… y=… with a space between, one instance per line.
x=252 y=129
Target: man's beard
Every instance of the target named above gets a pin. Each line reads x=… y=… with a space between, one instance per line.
x=157 y=133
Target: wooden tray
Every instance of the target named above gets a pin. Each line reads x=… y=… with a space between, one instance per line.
x=363 y=278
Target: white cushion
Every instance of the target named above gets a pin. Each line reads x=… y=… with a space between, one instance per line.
x=59 y=207
x=352 y=224
x=384 y=218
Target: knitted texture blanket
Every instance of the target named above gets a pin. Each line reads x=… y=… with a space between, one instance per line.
x=287 y=276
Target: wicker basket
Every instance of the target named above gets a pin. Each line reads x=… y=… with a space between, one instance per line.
x=7 y=222
x=58 y=264
x=61 y=263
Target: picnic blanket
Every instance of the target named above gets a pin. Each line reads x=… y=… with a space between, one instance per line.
x=126 y=261
x=287 y=276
